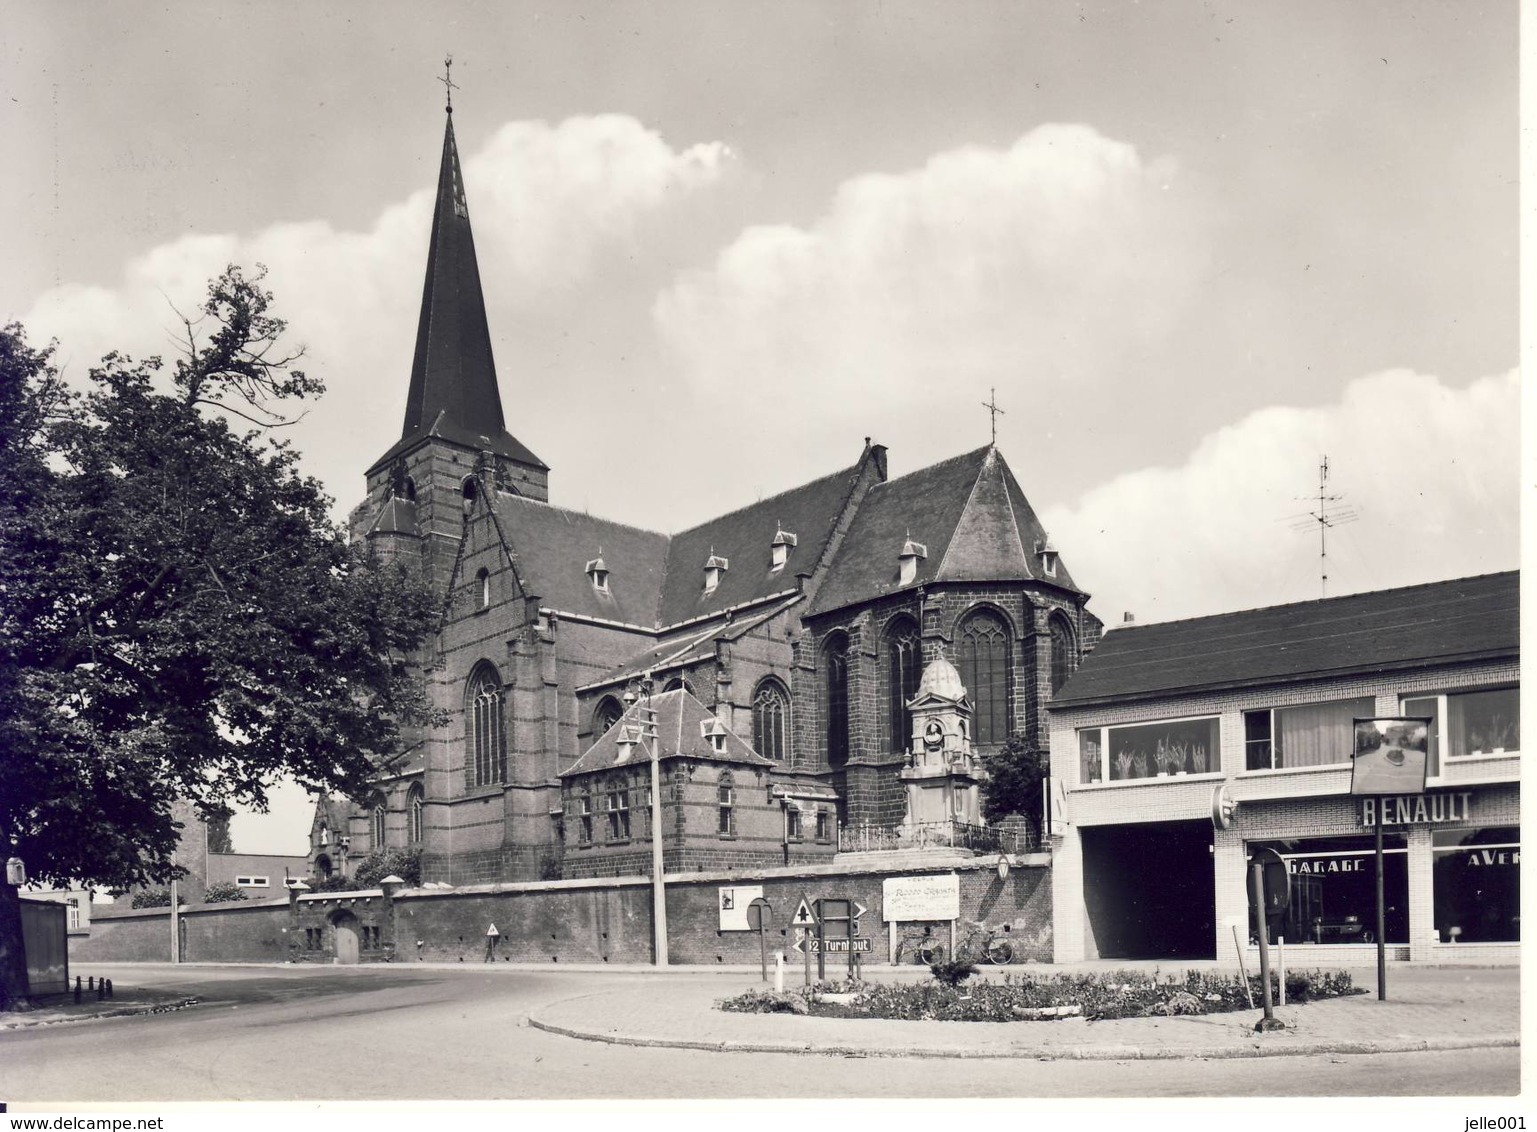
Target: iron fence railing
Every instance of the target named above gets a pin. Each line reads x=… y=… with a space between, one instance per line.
x=865 y=838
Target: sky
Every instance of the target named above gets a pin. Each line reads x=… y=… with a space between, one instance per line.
x=1194 y=247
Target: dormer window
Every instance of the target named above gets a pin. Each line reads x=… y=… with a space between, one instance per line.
x=713 y=731
x=907 y=561
x=597 y=574
x=629 y=739
x=1047 y=556
x=779 y=549
x=714 y=569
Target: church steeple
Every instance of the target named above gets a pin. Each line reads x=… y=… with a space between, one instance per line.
x=453 y=394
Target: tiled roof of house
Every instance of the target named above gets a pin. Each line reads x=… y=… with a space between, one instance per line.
x=1415 y=626
x=678 y=719
x=968 y=511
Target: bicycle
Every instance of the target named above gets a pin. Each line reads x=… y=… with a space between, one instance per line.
x=923 y=946
x=984 y=944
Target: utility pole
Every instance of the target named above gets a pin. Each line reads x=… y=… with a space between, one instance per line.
x=658 y=880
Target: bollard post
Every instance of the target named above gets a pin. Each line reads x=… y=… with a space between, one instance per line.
x=90 y=982
x=101 y=990
x=77 y=988
x=779 y=972
x=1280 y=962
x=109 y=988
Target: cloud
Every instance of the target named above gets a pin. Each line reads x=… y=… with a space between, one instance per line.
x=1059 y=258
x=1430 y=470
x=547 y=202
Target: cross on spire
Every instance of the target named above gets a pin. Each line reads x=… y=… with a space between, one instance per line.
x=449 y=86
x=991 y=405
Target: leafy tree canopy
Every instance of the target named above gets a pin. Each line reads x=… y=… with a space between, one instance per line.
x=1016 y=771
x=179 y=616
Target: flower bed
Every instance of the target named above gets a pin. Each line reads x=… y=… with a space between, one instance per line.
x=1104 y=994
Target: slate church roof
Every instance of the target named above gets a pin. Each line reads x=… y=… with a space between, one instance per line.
x=1389 y=630
x=970 y=514
x=453 y=393
x=678 y=719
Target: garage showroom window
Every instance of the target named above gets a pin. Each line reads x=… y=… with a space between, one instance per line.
x=1303 y=735
x=1147 y=750
x=1334 y=890
x=1469 y=723
x=1476 y=878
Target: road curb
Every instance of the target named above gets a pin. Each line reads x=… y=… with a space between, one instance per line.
x=98 y=1015
x=1045 y=1053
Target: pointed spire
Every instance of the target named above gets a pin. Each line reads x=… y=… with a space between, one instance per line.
x=453 y=393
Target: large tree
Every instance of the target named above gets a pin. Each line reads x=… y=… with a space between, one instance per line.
x=179 y=616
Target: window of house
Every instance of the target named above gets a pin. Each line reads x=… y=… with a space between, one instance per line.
x=835 y=698
x=824 y=825
x=726 y=805
x=314 y=938
x=253 y=882
x=73 y=904
x=1147 y=750
x=985 y=663
x=619 y=814
x=1476 y=884
x=584 y=819
x=416 y=809
x=1334 y=890
x=793 y=823
x=1064 y=655
x=488 y=729
x=1304 y=734
x=904 y=669
x=770 y=710
x=376 y=825
x=1469 y=723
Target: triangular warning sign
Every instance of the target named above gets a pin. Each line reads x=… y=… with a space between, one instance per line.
x=492 y=931
x=804 y=917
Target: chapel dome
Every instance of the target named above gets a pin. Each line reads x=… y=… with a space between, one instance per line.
x=941 y=679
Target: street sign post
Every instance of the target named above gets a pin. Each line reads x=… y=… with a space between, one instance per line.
x=759 y=917
x=838 y=924
x=805 y=920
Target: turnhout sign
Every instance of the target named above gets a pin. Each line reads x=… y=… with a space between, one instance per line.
x=1417 y=809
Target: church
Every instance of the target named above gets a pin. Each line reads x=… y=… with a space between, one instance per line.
x=815 y=672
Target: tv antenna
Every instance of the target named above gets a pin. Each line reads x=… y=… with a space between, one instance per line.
x=1332 y=511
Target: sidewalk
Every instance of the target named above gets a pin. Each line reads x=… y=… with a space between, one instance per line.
x=1427 y=1009
x=50 y=1009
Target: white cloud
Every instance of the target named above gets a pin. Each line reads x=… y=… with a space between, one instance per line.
x=1057 y=259
x=546 y=201
x=1431 y=470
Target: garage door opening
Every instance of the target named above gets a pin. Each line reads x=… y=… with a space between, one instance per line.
x=1150 y=891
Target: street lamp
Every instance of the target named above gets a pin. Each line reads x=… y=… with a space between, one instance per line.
x=640 y=691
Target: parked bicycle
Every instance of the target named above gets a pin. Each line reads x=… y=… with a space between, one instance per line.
x=921 y=946
x=982 y=944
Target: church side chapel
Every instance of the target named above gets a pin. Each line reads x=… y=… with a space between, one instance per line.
x=824 y=667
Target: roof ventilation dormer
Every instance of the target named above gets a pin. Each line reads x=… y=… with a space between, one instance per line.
x=715 y=566
x=713 y=731
x=597 y=574
x=628 y=739
x=1046 y=554
x=907 y=561
x=779 y=549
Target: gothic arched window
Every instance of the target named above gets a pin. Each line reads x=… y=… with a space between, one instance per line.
x=605 y=715
x=904 y=669
x=416 y=806
x=376 y=824
x=835 y=698
x=985 y=663
x=770 y=716
x=680 y=682
x=487 y=728
x=1064 y=657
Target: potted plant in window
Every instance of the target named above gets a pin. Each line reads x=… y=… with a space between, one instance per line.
x=1123 y=764
x=1198 y=759
x=1139 y=764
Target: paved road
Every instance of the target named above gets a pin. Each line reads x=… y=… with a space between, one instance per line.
x=369 y=1033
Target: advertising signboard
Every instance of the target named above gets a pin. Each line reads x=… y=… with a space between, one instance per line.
x=734 y=901
x=921 y=898
x=1391 y=756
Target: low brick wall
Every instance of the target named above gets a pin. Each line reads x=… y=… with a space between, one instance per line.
x=237 y=932
x=605 y=920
